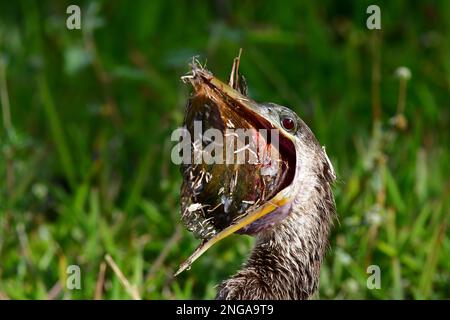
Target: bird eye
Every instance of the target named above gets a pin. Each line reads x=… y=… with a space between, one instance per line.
x=288 y=123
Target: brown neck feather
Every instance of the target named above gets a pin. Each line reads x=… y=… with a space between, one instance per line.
x=286 y=260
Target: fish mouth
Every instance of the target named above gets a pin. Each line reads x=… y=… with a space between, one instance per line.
x=257 y=116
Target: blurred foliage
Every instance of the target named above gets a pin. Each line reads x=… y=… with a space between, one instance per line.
x=85 y=144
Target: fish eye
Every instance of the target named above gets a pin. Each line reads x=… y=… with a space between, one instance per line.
x=288 y=123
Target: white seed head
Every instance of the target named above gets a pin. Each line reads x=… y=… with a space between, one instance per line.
x=403 y=73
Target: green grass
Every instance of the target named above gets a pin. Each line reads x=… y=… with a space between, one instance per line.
x=86 y=118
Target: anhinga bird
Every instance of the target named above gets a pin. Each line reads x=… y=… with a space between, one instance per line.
x=287 y=203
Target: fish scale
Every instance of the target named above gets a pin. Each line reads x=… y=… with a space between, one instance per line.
x=214 y=196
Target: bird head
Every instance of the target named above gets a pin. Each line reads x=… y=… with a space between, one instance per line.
x=243 y=198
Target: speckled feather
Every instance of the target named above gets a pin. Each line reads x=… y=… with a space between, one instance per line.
x=286 y=260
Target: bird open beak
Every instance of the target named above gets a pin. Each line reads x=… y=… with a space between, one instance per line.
x=202 y=79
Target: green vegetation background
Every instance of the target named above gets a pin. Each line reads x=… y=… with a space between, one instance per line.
x=87 y=114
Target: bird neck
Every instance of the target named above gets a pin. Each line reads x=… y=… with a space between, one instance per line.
x=285 y=262
x=291 y=253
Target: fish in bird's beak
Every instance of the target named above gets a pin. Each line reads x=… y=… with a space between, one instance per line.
x=221 y=198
